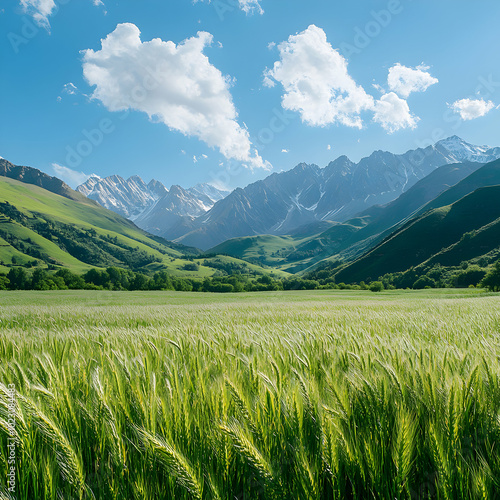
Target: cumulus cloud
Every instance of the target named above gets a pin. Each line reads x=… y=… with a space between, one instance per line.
x=469 y=109
x=393 y=113
x=316 y=81
x=173 y=84
x=285 y=150
x=317 y=84
x=404 y=80
x=71 y=177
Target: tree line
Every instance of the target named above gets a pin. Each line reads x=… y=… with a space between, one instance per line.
x=115 y=278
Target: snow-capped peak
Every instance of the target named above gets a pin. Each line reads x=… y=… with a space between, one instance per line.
x=461 y=150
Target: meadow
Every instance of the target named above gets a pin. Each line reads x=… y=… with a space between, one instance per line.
x=279 y=395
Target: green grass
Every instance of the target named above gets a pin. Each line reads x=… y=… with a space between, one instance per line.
x=7 y=252
x=286 y=395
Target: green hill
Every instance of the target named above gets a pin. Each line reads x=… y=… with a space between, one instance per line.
x=42 y=229
x=437 y=236
x=488 y=175
x=47 y=229
x=268 y=250
x=29 y=175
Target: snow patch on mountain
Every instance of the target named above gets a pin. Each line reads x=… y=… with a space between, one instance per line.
x=151 y=206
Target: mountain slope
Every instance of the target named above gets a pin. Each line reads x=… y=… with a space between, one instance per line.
x=152 y=206
x=43 y=228
x=354 y=236
x=427 y=236
x=488 y=175
x=283 y=202
x=125 y=197
x=174 y=207
x=30 y=175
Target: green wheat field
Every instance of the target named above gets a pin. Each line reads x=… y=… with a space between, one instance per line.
x=291 y=395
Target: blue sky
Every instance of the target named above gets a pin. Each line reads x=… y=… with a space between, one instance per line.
x=260 y=85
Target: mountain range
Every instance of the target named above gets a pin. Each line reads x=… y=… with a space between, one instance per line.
x=151 y=206
x=436 y=227
x=285 y=202
x=459 y=225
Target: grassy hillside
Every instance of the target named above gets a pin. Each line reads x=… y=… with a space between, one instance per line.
x=29 y=175
x=488 y=175
x=39 y=228
x=428 y=235
x=266 y=249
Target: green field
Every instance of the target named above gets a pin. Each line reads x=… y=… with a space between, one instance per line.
x=283 y=395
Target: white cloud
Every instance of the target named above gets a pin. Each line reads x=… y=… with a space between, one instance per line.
x=70 y=89
x=317 y=84
x=404 y=80
x=329 y=147
x=196 y=159
x=40 y=10
x=285 y=150
x=316 y=81
x=247 y=6
x=71 y=177
x=174 y=84
x=250 y=5
x=469 y=109
x=393 y=113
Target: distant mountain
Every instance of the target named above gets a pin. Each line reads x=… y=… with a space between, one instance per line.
x=207 y=190
x=282 y=203
x=129 y=198
x=350 y=239
x=151 y=206
x=176 y=207
x=30 y=175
